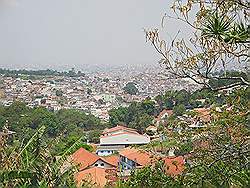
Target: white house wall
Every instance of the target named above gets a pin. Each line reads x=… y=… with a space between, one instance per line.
x=124 y=139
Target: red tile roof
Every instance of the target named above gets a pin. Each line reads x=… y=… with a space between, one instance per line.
x=174 y=165
x=113 y=160
x=94 y=175
x=140 y=157
x=203 y=114
x=117 y=128
x=169 y=112
x=84 y=158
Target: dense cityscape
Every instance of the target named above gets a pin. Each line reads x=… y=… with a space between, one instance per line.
x=94 y=95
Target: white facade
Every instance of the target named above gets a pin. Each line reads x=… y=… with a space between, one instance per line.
x=105 y=152
x=101 y=164
x=124 y=139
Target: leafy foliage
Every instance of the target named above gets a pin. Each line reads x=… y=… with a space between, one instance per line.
x=140 y=115
x=31 y=164
x=219 y=41
x=64 y=126
x=216 y=156
x=130 y=88
x=151 y=176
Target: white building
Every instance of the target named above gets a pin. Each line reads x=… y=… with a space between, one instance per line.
x=119 y=137
x=125 y=138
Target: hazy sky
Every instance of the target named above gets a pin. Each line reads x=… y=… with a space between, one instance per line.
x=73 y=33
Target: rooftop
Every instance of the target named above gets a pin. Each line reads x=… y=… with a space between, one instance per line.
x=142 y=158
x=84 y=158
x=174 y=165
x=94 y=175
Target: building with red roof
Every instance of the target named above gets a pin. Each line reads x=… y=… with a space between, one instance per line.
x=203 y=114
x=86 y=159
x=96 y=177
x=131 y=158
x=116 y=138
x=174 y=165
x=118 y=129
x=94 y=169
x=161 y=118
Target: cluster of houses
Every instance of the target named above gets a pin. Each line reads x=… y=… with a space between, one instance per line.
x=115 y=157
x=94 y=93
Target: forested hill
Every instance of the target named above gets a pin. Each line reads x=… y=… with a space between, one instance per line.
x=64 y=126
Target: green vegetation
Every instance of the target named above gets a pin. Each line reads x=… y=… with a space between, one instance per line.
x=228 y=78
x=216 y=155
x=130 y=88
x=105 y=80
x=63 y=127
x=139 y=115
x=59 y=93
x=179 y=109
x=31 y=164
x=150 y=177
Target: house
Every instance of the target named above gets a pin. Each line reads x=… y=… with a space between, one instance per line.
x=151 y=128
x=116 y=130
x=131 y=158
x=151 y=131
x=125 y=138
x=86 y=159
x=112 y=159
x=201 y=118
x=203 y=114
x=117 y=138
x=161 y=118
x=103 y=150
x=96 y=177
x=174 y=165
x=94 y=169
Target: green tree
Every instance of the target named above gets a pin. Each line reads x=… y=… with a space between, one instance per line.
x=31 y=165
x=118 y=116
x=141 y=122
x=179 y=110
x=59 y=93
x=149 y=107
x=130 y=88
x=94 y=136
x=221 y=23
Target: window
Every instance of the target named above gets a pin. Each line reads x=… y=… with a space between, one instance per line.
x=102 y=164
x=96 y=164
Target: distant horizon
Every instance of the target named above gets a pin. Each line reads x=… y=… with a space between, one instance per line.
x=87 y=67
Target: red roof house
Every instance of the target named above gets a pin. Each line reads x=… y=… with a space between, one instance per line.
x=174 y=165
